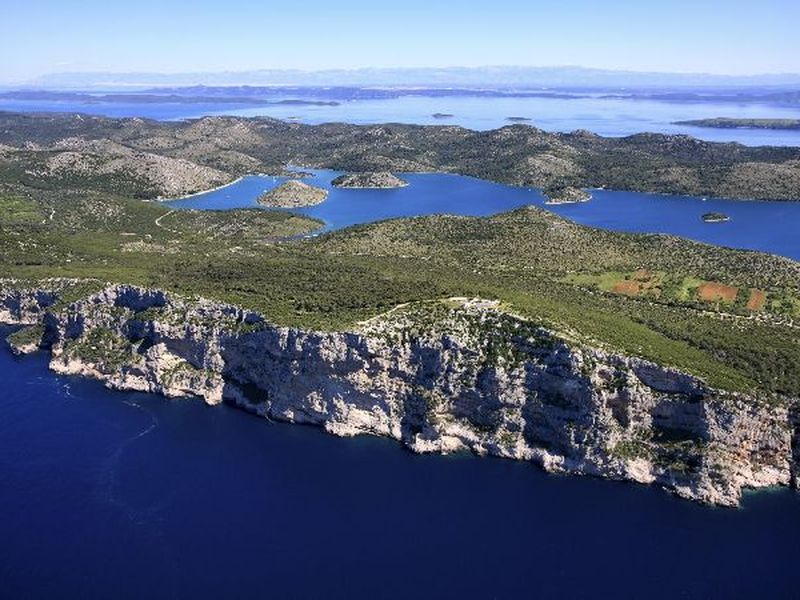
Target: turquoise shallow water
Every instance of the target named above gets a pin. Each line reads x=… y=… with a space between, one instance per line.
x=767 y=226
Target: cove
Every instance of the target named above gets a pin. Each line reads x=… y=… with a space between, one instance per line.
x=755 y=225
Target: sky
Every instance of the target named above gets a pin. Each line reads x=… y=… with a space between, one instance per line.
x=734 y=37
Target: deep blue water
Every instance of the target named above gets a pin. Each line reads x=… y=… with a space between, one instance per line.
x=605 y=116
x=125 y=495
x=767 y=226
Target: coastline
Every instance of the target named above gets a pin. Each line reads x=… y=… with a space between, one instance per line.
x=201 y=192
x=542 y=201
x=550 y=202
x=342 y=354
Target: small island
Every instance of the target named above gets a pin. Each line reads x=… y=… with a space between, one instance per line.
x=728 y=123
x=439 y=115
x=565 y=194
x=370 y=180
x=296 y=174
x=517 y=119
x=293 y=194
x=715 y=217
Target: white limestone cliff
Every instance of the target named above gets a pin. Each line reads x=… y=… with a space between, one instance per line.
x=439 y=377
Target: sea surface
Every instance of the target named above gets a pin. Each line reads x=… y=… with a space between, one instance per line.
x=125 y=495
x=767 y=226
x=605 y=116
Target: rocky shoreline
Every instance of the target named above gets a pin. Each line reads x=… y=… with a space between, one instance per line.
x=293 y=194
x=566 y=195
x=444 y=376
x=714 y=217
x=369 y=180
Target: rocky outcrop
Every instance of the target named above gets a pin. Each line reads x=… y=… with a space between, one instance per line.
x=26 y=340
x=370 y=180
x=715 y=217
x=24 y=305
x=293 y=194
x=443 y=376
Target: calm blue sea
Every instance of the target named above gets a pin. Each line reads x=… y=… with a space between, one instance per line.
x=124 y=495
x=767 y=226
x=605 y=116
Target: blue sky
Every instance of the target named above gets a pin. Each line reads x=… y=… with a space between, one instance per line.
x=728 y=37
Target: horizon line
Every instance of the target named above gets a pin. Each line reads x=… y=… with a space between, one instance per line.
x=416 y=68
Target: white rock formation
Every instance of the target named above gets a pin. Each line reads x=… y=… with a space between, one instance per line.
x=439 y=377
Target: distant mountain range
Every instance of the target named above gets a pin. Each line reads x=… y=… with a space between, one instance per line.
x=495 y=77
x=248 y=95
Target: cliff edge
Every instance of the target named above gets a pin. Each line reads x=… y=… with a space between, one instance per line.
x=440 y=376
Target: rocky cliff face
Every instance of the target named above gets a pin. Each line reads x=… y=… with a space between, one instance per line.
x=24 y=306
x=439 y=377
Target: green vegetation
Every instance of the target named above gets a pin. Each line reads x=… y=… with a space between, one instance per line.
x=17 y=211
x=537 y=264
x=727 y=316
x=144 y=159
x=31 y=334
x=565 y=194
x=676 y=289
x=633 y=449
x=293 y=194
x=104 y=349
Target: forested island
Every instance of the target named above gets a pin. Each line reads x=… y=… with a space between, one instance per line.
x=565 y=194
x=369 y=180
x=293 y=194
